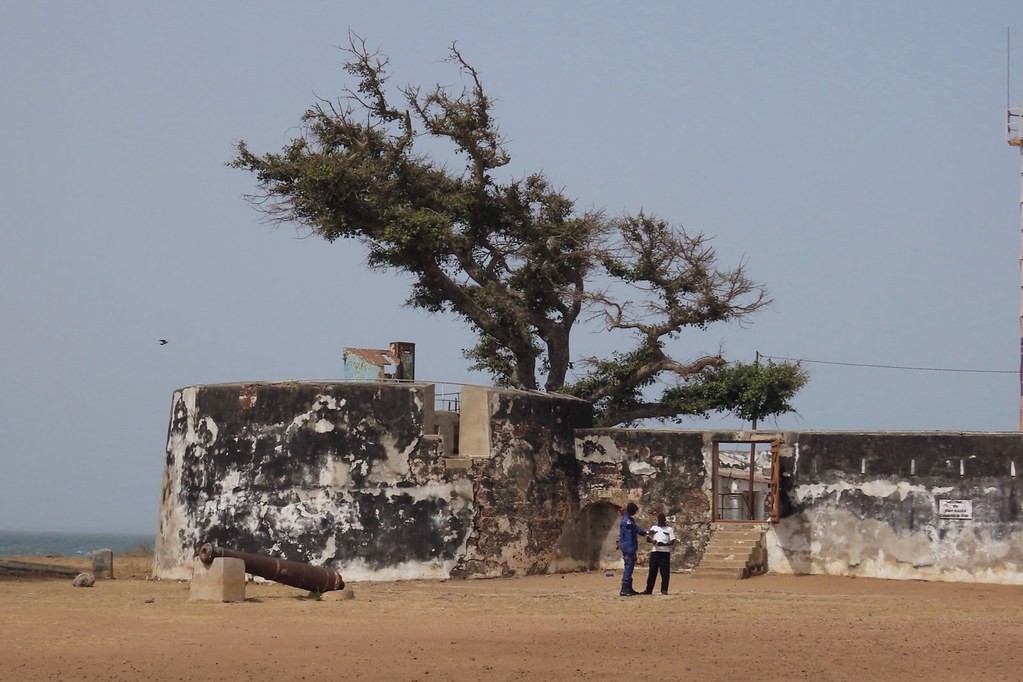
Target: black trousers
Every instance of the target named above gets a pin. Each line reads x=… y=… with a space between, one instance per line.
x=659 y=562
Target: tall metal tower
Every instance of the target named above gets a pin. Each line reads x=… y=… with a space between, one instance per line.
x=1014 y=134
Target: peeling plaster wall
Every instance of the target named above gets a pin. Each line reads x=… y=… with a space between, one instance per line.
x=339 y=474
x=348 y=475
x=662 y=471
x=344 y=474
x=867 y=504
x=862 y=504
x=526 y=485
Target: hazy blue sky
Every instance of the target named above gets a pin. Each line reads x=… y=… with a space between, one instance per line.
x=854 y=152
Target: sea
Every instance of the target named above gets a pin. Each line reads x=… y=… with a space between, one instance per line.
x=43 y=544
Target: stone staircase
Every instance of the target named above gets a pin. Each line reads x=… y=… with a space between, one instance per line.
x=736 y=551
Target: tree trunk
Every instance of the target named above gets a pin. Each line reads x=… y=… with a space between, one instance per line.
x=558 y=358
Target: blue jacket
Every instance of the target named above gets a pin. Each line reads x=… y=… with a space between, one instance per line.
x=628 y=532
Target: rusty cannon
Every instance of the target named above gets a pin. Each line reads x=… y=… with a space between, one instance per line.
x=293 y=573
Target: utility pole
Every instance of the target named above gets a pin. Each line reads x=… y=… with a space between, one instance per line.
x=753 y=462
x=1014 y=134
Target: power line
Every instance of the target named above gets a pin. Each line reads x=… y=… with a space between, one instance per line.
x=918 y=369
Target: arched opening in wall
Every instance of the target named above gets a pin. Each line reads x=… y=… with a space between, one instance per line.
x=745 y=480
x=587 y=542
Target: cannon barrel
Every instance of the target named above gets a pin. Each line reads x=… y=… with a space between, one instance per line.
x=293 y=573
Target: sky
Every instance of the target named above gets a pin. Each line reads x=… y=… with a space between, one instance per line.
x=853 y=154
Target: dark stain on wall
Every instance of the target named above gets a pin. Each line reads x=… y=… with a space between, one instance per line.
x=259 y=466
x=402 y=529
x=975 y=466
x=891 y=454
x=343 y=472
x=878 y=496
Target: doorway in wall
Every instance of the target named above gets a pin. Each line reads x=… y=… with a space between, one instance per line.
x=588 y=542
x=745 y=480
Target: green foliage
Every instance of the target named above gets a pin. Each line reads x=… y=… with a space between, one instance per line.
x=618 y=372
x=749 y=391
x=513 y=258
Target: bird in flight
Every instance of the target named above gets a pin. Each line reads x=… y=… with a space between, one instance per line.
x=163 y=342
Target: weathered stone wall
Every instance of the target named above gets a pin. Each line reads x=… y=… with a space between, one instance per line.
x=340 y=474
x=349 y=475
x=862 y=504
x=526 y=485
x=867 y=504
x=662 y=471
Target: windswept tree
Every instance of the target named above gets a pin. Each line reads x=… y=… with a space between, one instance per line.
x=515 y=259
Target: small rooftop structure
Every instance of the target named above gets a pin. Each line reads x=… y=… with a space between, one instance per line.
x=397 y=363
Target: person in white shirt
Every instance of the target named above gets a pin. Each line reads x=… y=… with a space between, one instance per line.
x=663 y=538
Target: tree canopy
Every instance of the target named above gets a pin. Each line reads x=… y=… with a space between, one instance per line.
x=514 y=258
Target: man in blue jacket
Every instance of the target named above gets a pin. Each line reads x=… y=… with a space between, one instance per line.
x=628 y=543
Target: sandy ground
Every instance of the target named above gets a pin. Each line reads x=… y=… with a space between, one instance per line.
x=534 y=628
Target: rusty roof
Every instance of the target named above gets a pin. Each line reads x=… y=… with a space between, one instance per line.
x=376 y=356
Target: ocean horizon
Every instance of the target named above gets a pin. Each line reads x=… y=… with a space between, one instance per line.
x=56 y=543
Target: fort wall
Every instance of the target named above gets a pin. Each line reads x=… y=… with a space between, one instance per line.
x=355 y=476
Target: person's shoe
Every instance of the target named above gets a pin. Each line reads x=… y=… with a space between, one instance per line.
x=626 y=593
x=647 y=592
x=664 y=593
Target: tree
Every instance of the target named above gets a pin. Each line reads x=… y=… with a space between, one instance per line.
x=513 y=258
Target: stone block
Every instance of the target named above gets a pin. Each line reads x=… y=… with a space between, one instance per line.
x=458 y=463
x=223 y=580
x=84 y=580
x=103 y=563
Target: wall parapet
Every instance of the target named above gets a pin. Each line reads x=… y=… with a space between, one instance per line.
x=357 y=476
x=876 y=504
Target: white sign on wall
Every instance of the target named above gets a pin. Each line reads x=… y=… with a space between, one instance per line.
x=955 y=509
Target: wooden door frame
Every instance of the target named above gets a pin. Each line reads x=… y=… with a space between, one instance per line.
x=774 y=487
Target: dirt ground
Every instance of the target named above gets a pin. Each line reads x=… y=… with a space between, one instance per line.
x=532 y=628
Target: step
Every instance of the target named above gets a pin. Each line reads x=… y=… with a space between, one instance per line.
x=712 y=555
x=730 y=565
x=730 y=549
x=738 y=533
x=731 y=542
x=720 y=573
x=736 y=537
